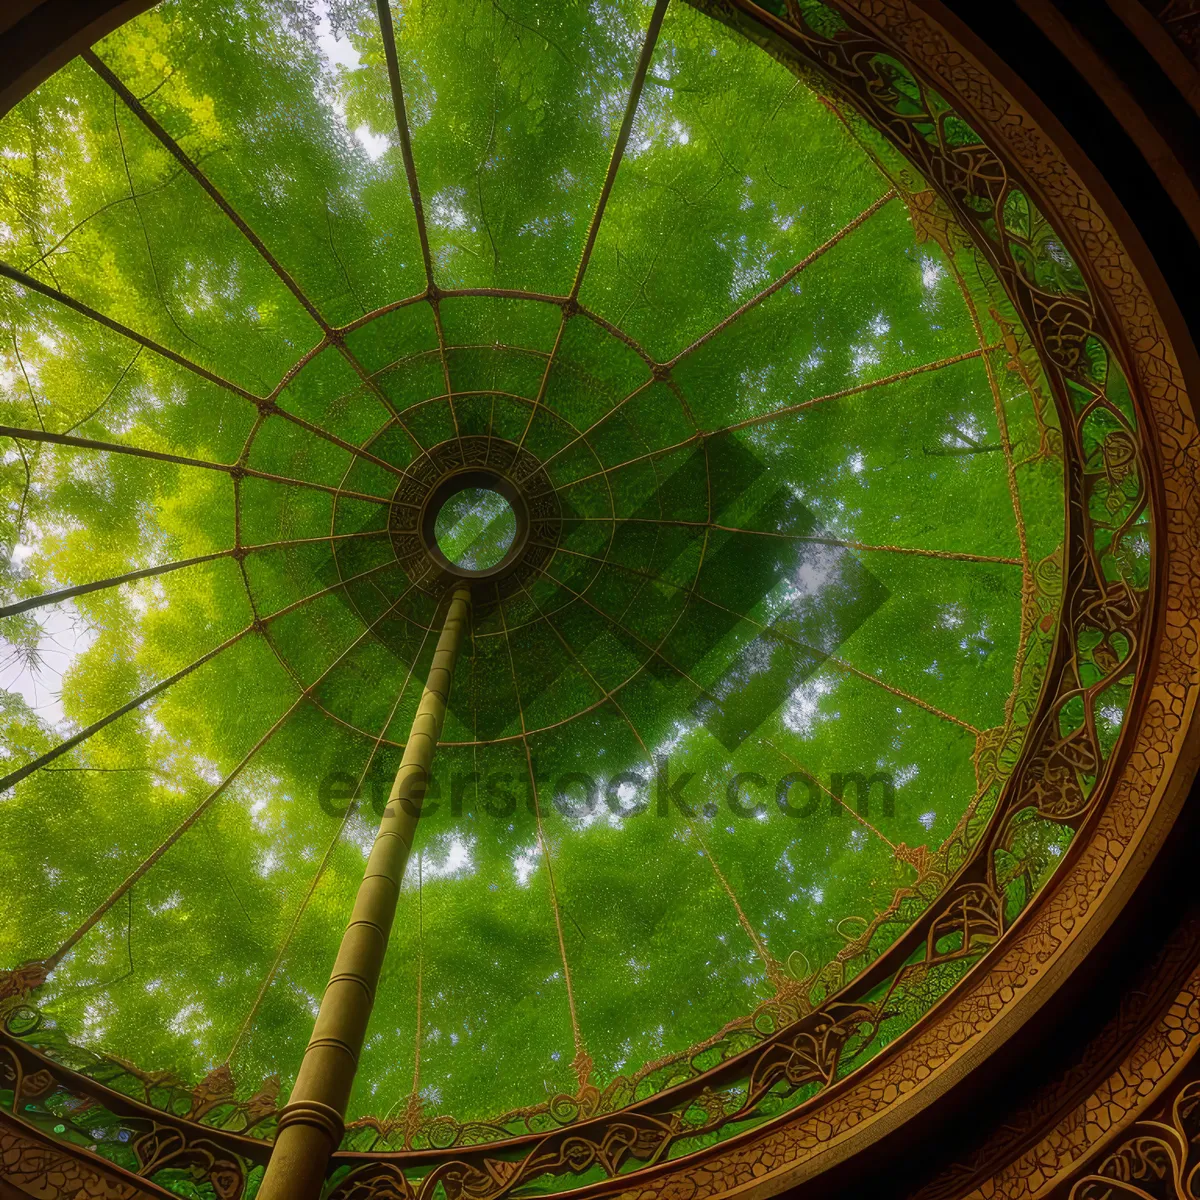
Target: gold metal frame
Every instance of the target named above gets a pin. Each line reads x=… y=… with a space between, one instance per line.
x=1160 y=747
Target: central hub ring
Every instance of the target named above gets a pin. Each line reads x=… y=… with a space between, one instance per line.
x=451 y=485
x=452 y=466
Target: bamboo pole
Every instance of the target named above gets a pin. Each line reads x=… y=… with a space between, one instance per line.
x=312 y=1122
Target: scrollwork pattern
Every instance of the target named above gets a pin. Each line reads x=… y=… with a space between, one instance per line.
x=1124 y=323
x=202 y=1134
x=1158 y=1159
x=888 y=60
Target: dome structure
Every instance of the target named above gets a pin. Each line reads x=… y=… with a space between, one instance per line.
x=806 y=488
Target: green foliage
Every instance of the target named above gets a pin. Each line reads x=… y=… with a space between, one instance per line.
x=877 y=508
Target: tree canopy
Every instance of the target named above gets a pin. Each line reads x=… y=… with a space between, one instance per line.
x=778 y=663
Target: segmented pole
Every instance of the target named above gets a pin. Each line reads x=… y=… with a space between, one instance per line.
x=311 y=1124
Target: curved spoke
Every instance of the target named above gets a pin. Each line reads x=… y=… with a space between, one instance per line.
x=614 y=163
x=207 y=802
x=582 y=1063
x=768 y=962
x=841 y=664
x=15 y=777
x=326 y=858
x=82 y=589
x=762 y=419
x=70 y=743
x=404 y=133
x=263 y=403
x=235 y=470
x=20 y=278
x=185 y=161
x=808 y=538
x=833 y=797
x=618 y=152
x=1001 y=419
x=786 y=278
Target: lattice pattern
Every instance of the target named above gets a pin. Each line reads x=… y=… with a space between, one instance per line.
x=667 y=484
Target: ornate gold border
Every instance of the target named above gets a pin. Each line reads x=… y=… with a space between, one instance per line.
x=40 y=1166
x=1149 y=1048
x=1162 y=751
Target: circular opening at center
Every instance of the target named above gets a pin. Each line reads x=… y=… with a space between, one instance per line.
x=475 y=528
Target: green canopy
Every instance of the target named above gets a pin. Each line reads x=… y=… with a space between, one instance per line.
x=785 y=604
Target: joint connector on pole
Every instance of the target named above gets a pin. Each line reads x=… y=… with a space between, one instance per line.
x=312 y=1123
